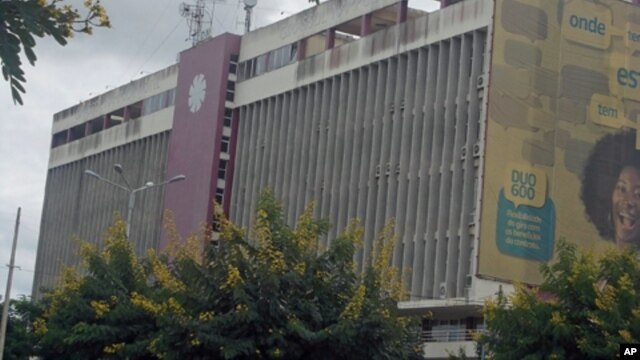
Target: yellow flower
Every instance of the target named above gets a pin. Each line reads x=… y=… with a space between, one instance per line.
x=206 y=316
x=100 y=308
x=354 y=307
x=113 y=348
x=40 y=327
x=233 y=277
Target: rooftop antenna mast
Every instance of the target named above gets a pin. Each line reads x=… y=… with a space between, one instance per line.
x=248 y=8
x=199 y=18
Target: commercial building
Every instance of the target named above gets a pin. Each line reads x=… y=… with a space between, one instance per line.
x=471 y=126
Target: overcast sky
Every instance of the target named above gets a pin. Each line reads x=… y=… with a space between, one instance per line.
x=146 y=36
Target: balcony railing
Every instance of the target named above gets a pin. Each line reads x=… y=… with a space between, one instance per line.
x=449 y=335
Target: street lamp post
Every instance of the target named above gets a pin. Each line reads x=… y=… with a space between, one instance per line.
x=130 y=190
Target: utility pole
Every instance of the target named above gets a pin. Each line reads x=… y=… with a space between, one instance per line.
x=7 y=294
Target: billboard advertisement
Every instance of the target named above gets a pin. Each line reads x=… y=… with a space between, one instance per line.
x=561 y=157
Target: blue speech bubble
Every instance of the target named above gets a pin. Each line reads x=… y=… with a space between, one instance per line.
x=525 y=231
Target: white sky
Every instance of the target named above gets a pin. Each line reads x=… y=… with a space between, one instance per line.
x=146 y=36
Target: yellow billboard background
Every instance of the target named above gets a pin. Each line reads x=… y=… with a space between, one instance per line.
x=564 y=74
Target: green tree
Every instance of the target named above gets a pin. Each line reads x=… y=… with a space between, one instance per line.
x=268 y=294
x=273 y=294
x=20 y=339
x=21 y=20
x=93 y=316
x=584 y=309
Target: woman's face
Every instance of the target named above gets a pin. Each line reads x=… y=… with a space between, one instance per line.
x=626 y=207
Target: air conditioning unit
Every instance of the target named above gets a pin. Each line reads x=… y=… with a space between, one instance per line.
x=387 y=170
x=482 y=81
x=442 y=290
x=468 y=280
x=377 y=171
x=463 y=153
x=476 y=150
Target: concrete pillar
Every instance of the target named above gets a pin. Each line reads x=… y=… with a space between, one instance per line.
x=365 y=24
x=330 y=39
x=403 y=8
x=302 y=49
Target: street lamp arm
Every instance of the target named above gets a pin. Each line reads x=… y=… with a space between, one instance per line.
x=118 y=168
x=172 y=180
x=130 y=190
x=150 y=184
x=95 y=175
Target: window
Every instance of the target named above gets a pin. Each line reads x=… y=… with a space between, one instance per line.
x=231 y=88
x=228 y=117
x=261 y=65
x=219 y=195
x=95 y=125
x=158 y=102
x=224 y=145
x=222 y=169
x=233 y=64
x=77 y=132
x=59 y=138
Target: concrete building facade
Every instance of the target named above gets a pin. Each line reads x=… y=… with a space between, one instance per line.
x=370 y=109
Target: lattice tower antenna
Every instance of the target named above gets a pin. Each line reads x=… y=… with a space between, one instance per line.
x=199 y=18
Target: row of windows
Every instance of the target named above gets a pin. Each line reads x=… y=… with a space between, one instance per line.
x=130 y=112
x=272 y=60
x=225 y=147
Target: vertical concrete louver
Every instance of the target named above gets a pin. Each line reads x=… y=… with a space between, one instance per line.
x=80 y=207
x=398 y=138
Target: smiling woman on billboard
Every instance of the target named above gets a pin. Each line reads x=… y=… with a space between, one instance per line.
x=611 y=188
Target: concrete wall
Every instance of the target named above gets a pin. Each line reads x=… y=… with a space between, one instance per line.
x=117 y=98
x=387 y=128
x=119 y=135
x=306 y=23
x=460 y=18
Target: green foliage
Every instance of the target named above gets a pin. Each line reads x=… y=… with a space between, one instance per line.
x=583 y=310
x=21 y=20
x=269 y=294
x=93 y=316
x=19 y=340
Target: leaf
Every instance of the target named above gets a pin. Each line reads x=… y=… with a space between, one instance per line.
x=17 y=99
x=31 y=56
x=18 y=86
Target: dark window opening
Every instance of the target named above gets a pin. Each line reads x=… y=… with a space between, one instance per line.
x=77 y=132
x=95 y=125
x=59 y=138
x=111 y=122
x=219 y=195
x=224 y=145
x=135 y=110
x=222 y=169
x=118 y=115
x=228 y=116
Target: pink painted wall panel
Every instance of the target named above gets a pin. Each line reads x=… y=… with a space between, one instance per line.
x=194 y=148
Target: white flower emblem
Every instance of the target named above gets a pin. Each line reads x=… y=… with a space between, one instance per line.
x=197 y=91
